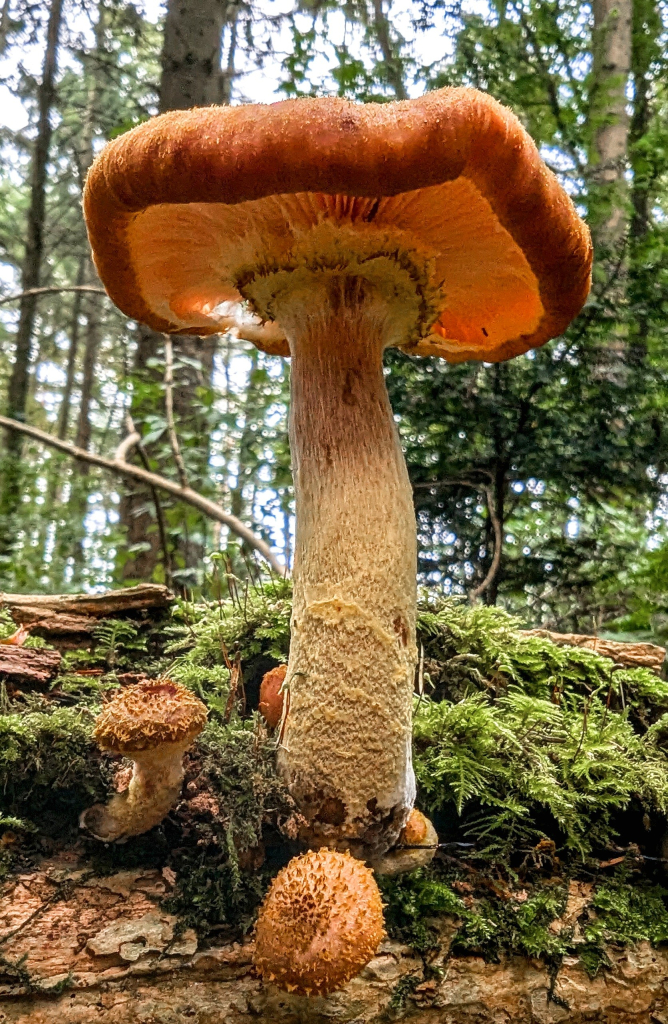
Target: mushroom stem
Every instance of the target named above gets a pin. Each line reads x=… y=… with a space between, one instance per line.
x=346 y=746
x=154 y=788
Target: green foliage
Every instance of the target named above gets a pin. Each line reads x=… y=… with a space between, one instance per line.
x=414 y=901
x=628 y=911
x=253 y=623
x=481 y=648
x=117 y=643
x=510 y=763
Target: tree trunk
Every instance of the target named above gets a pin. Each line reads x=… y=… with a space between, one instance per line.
x=191 y=54
x=393 y=69
x=191 y=76
x=30 y=278
x=647 y=30
x=66 y=400
x=610 y=126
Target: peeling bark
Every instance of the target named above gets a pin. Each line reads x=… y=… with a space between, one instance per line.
x=26 y=665
x=30 y=608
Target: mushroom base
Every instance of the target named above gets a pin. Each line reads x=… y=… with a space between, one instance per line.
x=154 y=789
x=346 y=739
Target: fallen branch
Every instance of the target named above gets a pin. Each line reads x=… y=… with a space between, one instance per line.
x=52 y=290
x=186 y=494
x=29 y=607
x=630 y=655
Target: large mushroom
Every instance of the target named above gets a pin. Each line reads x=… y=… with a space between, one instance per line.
x=341 y=229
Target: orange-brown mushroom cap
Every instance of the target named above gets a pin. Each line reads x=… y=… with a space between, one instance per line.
x=271 y=695
x=181 y=209
x=320 y=923
x=147 y=715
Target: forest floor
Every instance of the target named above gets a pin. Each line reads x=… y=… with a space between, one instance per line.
x=542 y=764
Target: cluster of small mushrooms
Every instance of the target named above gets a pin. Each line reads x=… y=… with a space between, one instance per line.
x=328 y=231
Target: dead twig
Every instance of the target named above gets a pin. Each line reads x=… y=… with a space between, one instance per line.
x=52 y=290
x=186 y=494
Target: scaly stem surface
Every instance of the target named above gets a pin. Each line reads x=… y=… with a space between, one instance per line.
x=346 y=744
x=154 y=788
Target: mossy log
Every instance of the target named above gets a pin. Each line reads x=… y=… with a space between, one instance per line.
x=159 y=930
x=632 y=655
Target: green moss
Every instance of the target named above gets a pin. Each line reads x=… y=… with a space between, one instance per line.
x=223 y=872
x=412 y=903
x=469 y=650
x=253 y=623
x=627 y=912
x=504 y=765
x=50 y=769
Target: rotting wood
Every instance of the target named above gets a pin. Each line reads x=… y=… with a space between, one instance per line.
x=26 y=665
x=630 y=655
x=101 y=948
x=62 y=625
x=40 y=608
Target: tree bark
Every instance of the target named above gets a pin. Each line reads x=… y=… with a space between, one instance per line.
x=120 y=959
x=66 y=400
x=34 y=247
x=393 y=70
x=646 y=49
x=610 y=125
x=191 y=54
x=88 y=381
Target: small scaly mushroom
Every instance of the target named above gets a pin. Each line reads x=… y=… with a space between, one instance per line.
x=431 y=225
x=152 y=723
x=320 y=923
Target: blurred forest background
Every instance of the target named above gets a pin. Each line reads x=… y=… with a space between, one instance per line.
x=540 y=484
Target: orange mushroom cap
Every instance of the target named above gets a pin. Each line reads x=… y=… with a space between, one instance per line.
x=417 y=831
x=320 y=923
x=182 y=209
x=147 y=715
x=271 y=697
